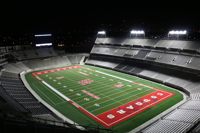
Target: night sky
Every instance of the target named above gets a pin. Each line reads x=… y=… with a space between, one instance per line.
x=100 y=15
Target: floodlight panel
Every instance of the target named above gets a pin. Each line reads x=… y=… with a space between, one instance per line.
x=178 y=32
x=101 y=32
x=43 y=44
x=138 y=32
x=40 y=35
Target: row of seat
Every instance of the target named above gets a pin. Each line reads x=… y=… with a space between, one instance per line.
x=13 y=87
x=190 y=61
x=166 y=44
x=16 y=90
x=168 y=126
x=187 y=115
x=34 y=53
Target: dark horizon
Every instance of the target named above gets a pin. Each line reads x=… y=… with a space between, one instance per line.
x=62 y=18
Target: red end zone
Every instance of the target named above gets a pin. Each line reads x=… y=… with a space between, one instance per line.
x=55 y=70
x=126 y=111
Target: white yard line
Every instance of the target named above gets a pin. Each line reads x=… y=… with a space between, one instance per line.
x=56 y=91
x=112 y=94
x=74 y=103
x=120 y=100
x=114 y=76
x=50 y=107
x=99 y=94
x=108 y=100
x=74 y=92
x=108 y=93
x=44 y=94
x=125 y=79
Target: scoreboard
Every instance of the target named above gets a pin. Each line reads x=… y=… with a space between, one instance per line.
x=42 y=40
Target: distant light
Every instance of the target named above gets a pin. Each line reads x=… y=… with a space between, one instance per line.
x=39 y=35
x=43 y=44
x=101 y=33
x=177 y=32
x=137 y=32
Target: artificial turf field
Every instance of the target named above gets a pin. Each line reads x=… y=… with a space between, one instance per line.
x=91 y=95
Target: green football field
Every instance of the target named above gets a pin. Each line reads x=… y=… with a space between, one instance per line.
x=94 y=96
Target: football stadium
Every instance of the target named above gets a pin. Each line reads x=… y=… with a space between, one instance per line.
x=97 y=71
x=128 y=84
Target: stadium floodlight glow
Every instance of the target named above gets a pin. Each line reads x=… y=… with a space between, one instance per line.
x=177 y=32
x=43 y=44
x=101 y=33
x=137 y=32
x=39 y=35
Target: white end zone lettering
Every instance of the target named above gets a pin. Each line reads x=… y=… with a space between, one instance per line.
x=110 y=116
